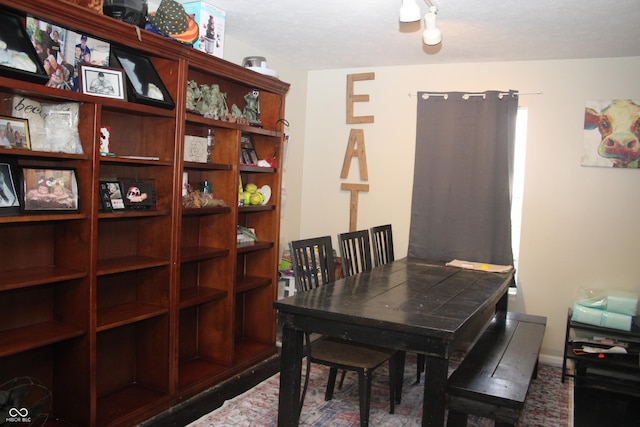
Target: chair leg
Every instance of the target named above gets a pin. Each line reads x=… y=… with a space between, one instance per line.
x=331 y=383
x=364 y=380
x=422 y=361
x=344 y=373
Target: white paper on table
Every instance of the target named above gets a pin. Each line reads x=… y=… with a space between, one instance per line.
x=492 y=268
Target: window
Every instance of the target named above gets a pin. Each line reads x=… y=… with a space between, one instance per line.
x=518 y=182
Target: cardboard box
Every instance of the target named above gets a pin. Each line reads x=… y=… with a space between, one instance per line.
x=211 y=21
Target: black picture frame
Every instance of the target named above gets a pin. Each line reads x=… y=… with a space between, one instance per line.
x=46 y=189
x=111 y=196
x=9 y=184
x=138 y=194
x=248 y=154
x=13 y=33
x=141 y=76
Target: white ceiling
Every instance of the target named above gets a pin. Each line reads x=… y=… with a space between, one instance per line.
x=327 y=34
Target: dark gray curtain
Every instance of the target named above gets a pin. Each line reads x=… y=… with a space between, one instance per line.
x=461 y=206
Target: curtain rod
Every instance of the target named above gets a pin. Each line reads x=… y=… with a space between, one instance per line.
x=468 y=95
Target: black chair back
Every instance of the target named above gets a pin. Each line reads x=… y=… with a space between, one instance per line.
x=312 y=262
x=382 y=242
x=355 y=252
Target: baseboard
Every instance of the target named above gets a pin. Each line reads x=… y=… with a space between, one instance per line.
x=550 y=360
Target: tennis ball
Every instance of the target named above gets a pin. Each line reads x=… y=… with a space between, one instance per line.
x=251 y=188
x=256 y=199
x=246 y=197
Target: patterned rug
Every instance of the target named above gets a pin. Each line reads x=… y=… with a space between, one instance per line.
x=549 y=403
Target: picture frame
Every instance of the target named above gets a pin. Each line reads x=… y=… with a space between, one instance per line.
x=14 y=133
x=248 y=154
x=46 y=189
x=106 y=82
x=111 y=196
x=9 y=197
x=143 y=82
x=138 y=194
x=25 y=63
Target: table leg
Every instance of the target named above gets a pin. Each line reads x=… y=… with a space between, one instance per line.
x=435 y=383
x=290 y=378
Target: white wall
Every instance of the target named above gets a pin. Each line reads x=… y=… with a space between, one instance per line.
x=578 y=226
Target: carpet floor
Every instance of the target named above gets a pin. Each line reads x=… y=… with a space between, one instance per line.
x=549 y=403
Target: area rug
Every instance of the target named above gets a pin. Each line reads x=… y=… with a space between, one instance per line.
x=549 y=403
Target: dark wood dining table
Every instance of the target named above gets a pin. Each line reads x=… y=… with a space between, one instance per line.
x=410 y=304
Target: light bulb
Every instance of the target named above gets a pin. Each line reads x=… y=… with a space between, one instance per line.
x=409 y=11
x=432 y=34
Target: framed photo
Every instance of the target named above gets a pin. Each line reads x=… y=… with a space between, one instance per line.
x=102 y=81
x=20 y=60
x=143 y=82
x=195 y=149
x=138 y=194
x=49 y=189
x=248 y=154
x=14 y=133
x=111 y=195
x=9 y=201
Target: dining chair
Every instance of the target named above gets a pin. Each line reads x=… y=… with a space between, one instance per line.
x=382 y=243
x=355 y=252
x=313 y=266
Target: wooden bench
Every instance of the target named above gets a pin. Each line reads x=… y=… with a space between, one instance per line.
x=493 y=379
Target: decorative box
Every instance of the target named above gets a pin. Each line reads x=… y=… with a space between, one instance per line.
x=211 y=21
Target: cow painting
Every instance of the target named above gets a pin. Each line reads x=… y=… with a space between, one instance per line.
x=612 y=132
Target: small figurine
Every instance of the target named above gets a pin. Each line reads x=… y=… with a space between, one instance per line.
x=252 y=108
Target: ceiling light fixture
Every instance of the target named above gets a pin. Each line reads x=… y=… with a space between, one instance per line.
x=410 y=12
x=432 y=34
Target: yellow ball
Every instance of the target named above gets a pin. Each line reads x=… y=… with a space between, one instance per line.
x=256 y=199
x=251 y=188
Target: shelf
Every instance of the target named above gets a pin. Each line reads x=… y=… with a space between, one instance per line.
x=247 y=348
x=136 y=162
x=126 y=401
x=256 y=169
x=198 y=295
x=206 y=211
x=195 y=118
x=609 y=371
x=201 y=253
x=14 y=279
x=20 y=218
x=256 y=208
x=45 y=155
x=207 y=166
x=17 y=340
x=197 y=369
x=129 y=263
x=249 y=283
x=125 y=314
x=142 y=213
x=253 y=246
